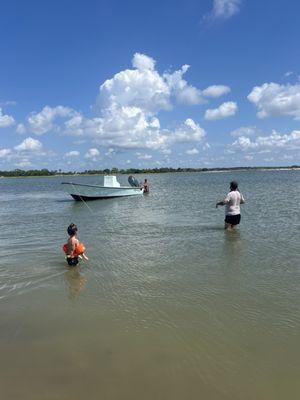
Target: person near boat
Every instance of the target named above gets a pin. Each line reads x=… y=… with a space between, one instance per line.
x=232 y=206
x=73 y=249
x=146 y=186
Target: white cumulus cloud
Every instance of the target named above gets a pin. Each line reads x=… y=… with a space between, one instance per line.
x=43 y=121
x=21 y=129
x=92 y=154
x=143 y=62
x=29 y=144
x=269 y=142
x=183 y=92
x=225 y=110
x=189 y=131
x=72 y=153
x=6 y=120
x=144 y=157
x=216 y=91
x=4 y=153
x=128 y=107
x=274 y=100
x=140 y=87
x=129 y=104
x=225 y=8
x=245 y=131
x=192 y=152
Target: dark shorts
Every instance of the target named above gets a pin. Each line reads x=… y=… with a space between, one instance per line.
x=72 y=261
x=233 y=219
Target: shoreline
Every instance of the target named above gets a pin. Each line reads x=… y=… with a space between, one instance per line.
x=213 y=170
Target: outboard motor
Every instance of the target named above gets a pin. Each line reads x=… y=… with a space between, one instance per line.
x=133 y=181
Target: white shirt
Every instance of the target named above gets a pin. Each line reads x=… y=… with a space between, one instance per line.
x=232 y=202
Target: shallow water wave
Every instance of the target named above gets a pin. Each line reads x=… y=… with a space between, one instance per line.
x=19 y=283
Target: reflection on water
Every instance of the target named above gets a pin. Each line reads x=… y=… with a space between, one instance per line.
x=232 y=243
x=75 y=281
x=169 y=306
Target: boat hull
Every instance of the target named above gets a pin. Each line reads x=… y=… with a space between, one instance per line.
x=94 y=192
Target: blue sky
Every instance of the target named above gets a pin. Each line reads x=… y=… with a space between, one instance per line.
x=101 y=84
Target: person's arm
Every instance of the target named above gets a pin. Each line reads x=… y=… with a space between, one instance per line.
x=243 y=201
x=223 y=202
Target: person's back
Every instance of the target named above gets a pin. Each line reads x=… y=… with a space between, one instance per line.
x=232 y=206
x=234 y=199
x=73 y=248
x=72 y=243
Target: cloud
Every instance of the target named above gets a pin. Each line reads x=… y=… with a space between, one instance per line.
x=225 y=110
x=29 y=144
x=126 y=127
x=224 y=9
x=166 y=152
x=131 y=128
x=79 y=125
x=192 y=152
x=92 y=154
x=183 y=92
x=274 y=100
x=144 y=156
x=189 y=131
x=141 y=87
x=110 y=152
x=129 y=103
x=245 y=131
x=43 y=121
x=21 y=129
x=72 y=153
x=269 y=142
x=29 y=152
x=143 y=62
x=8 y=103
x=244 y=143
x=127 y=108
x=288 y=73
x=4 y=153
x=216 y=91
x=6 y=120
x=23 y=164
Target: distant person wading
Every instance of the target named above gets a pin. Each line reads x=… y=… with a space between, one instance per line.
x=146 y=186
x=232 y=210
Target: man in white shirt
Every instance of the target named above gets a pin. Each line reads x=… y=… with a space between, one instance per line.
x=232 y=210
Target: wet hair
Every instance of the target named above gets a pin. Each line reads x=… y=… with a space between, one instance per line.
x=72 y=229
x=233 y=185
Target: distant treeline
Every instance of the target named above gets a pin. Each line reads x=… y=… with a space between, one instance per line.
x=130 y=171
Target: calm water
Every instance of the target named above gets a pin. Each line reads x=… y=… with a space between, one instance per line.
x=168 y=307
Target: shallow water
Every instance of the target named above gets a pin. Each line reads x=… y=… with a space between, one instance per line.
x=168 y=307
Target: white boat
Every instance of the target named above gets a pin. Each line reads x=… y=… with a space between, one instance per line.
x=111 y=188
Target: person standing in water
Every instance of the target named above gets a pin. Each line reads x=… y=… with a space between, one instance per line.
x=73 y=248
x=232 y=206
x=146 y=186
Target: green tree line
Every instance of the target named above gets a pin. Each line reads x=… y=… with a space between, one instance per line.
x=130 y=171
